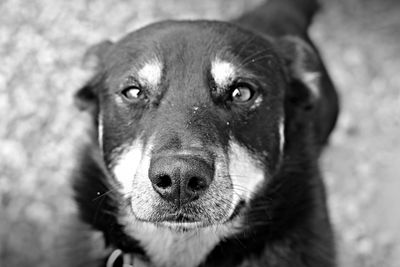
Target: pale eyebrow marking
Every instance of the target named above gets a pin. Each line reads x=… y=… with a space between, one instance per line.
x=151 y=72
x=223 y=72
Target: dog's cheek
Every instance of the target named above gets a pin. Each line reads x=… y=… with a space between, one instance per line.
x=125 y=162
x=263 y=135
x=118 y=132
x=247 y=172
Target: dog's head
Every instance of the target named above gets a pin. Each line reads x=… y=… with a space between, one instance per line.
x=192 y=117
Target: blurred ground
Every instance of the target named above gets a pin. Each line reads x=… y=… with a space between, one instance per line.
x=41 y=44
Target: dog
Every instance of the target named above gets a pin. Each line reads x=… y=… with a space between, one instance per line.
x=205 y=144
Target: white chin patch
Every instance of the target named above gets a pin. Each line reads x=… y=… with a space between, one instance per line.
x=246 y=172
x=223 y=72
x=126 y=165
x=169 y=248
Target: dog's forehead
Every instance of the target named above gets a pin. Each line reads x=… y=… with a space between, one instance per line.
x=223 y=51
x=222 y=71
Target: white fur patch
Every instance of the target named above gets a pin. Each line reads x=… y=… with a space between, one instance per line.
x=169 y=248
x=245 y=171
x=257 y=102
x=151 y=72
x=144 y=197
x=281 y=135
x=312 y=79
x=222 y=72
x=100 y=131
x=127 y=164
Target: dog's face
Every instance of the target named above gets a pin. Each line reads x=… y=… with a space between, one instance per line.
x=191 y=119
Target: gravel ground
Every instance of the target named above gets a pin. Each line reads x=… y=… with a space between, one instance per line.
x=41 y=45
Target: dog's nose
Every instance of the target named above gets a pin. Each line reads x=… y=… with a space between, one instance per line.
x=180 y=179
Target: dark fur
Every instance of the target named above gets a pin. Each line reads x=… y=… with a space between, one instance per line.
x=287 y=221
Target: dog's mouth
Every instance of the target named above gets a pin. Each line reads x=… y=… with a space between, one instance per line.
x=178 y=221
x=184 y=221
x=183 y=226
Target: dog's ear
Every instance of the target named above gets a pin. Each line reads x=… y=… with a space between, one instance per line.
x=86 y=98
x=302 y=68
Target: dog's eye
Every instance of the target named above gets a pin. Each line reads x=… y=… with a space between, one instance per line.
x=241 y=93
x=132 y=93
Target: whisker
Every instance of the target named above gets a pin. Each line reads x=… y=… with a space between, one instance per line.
x=105 y=194
x=252 y=56
x=98 y=209
x=253 y=60
x=246 y=44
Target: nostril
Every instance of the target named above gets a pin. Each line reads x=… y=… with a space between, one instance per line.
x=164 y=181
x=197 y=184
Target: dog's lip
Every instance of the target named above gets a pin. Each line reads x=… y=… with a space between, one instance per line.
x=195 y=224
x=178 y=221
x=182 y=221
x=185 y=226
x=185 y=222
x=183 y=218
